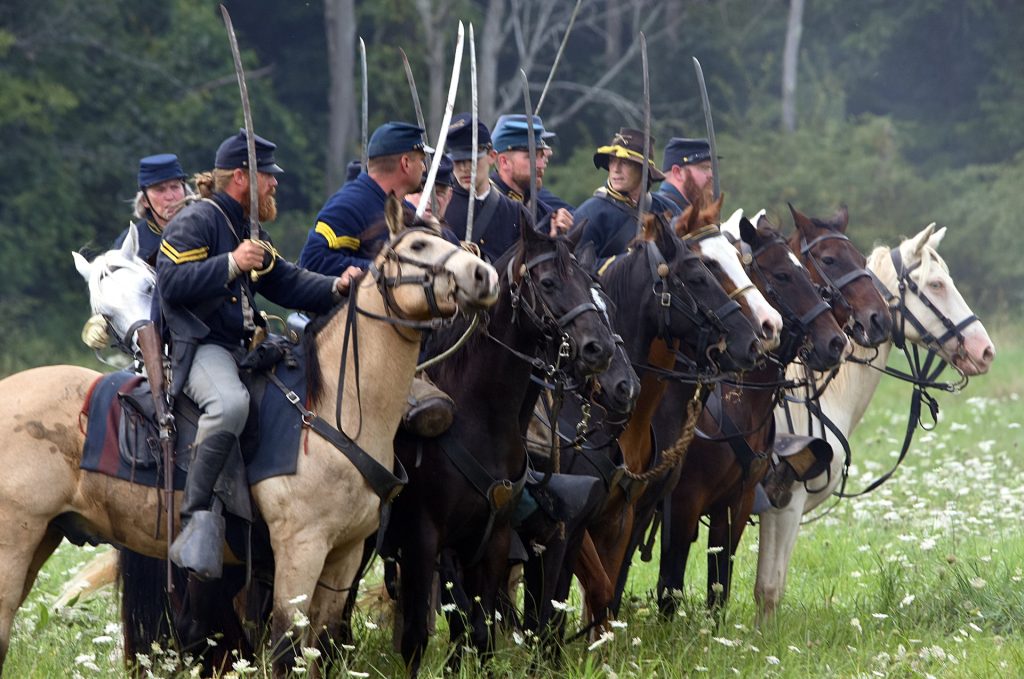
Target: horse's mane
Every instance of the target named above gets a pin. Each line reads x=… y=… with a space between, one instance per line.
x=107 y=262
x=314 y=379
x=930 y=259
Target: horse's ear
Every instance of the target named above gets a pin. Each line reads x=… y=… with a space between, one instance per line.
x=649 y=230
x=587 y=256
x=715 y=210
x=917 y=243
x=576 y=234
x=393 y=214
x=747 y=231
x=936 y=238
x=731 y=226
x=83 y=265
x=802 y=221
x=841 y=218
x=761 y=214
x=130 y=246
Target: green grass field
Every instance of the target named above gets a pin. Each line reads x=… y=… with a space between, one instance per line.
x=922 y=578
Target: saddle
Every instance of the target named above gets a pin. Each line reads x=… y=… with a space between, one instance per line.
x=123 y=440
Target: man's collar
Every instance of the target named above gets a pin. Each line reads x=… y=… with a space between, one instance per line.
x=504 y=188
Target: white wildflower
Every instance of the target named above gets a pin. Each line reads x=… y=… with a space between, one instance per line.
x=370 y=624
x=772 y=660
x=879 y=616
x=602 y=640
x=978 y=583
x=907 y=600
x=103 y=639
x=855 y=622
x=298 y=600
x=725 y=642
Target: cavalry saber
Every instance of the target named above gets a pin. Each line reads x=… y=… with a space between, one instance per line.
x=416 y=106
x=645 y=173
x=532 y=144
x=442 y=135
x=715 y=182
x=250 y=145
x=366 y=103
x=558 y=57
x=471 y=206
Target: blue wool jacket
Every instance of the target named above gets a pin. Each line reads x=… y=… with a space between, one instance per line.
x=501 y=230
x=348 y=229
x=611 y=223
x=149 y=238
x=672 y=196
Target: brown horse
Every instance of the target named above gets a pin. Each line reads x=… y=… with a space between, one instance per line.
x=318 y=518
x=729 y=456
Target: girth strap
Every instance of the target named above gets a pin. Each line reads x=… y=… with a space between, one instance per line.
x=385 y=484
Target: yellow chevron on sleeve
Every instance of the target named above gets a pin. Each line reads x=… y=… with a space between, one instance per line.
x=334 y=241
x=195 y=255
x=604 y=267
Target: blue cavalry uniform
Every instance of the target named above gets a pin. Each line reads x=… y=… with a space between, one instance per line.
x=511 y=134
x=611 y=219
x=497 y=220
x=209 y=307
x=152 y=170
x=681 y=151
x=348 y=229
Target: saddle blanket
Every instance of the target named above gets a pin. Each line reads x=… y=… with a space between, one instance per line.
x=113 y=406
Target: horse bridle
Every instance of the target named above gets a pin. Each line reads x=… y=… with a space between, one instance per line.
x=797 y=326
x=713 y=231
x=832 y=290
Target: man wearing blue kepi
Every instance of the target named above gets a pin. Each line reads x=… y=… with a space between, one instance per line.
x=208 y=301
x=611 y=213
x=161 y=194
x=685 y=159
x=350 y=227
x=497 y=219
x=510 y=139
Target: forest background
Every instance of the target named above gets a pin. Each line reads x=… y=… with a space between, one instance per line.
x=906 y=112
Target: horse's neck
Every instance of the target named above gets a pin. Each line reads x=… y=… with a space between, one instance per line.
x=754 y=404
x=373 y=407
x=847 y=396
x=635 y=440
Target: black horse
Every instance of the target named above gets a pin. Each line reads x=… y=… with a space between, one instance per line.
x=464 y=486
x=737 y=428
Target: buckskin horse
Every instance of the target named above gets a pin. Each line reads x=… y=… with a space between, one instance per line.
x=465 y=484
x=927 y=311
x=318 y=518
x=675 y=307
x=729 y=455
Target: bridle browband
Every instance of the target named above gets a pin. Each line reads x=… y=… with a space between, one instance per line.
x=832 y=290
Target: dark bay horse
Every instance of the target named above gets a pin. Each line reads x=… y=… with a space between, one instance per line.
x=729 y=456
x=669 y=306
x=318 y=518
x=465 y=484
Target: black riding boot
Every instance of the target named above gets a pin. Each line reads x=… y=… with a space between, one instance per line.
x=200 y=545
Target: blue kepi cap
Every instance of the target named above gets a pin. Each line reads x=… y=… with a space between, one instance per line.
x=159 y=168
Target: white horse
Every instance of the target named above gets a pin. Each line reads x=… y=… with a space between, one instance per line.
x=847 y=396
x=120 y=286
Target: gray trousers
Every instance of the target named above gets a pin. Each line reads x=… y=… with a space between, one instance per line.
x=213 y=383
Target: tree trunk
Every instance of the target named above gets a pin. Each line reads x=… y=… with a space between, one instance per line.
x=790 y=55
x=340 y=25
x=433 y=16
x=488 y=48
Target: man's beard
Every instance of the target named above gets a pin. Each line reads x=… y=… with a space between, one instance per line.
x=523 y=181
x=267 y=208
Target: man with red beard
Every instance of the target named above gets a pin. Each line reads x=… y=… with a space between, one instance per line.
x=207 y=298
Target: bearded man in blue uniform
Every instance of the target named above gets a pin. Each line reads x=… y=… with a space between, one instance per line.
x=207 y=298
x=685 y=160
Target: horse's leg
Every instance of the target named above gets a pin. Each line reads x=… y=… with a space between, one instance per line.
x=299 y=560
x=101 y=571
x=779 y=529
x=482 y=582
x=612 y=550
x=720 y=552
x=597 y=586
x=419 y=554
x=675 y=546
x=336 y=587
x=28 y=544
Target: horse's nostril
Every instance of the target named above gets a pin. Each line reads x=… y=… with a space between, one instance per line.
x=767 y=330
x=836 y=346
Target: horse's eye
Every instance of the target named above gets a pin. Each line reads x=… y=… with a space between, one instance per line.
x=936 y=285
x=828 y=261
x=782 y=277
x=712 y=264
x=418 y=245
x=697 y=282
x=547 y=283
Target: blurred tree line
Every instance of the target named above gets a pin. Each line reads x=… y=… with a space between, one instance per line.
x=907 y=112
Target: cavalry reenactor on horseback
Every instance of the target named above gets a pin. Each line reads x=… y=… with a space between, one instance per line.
x=685 y=160
x=208 y=272
x=162 y=192
x=512 y=168
x=611 y=213
x=497 y=219
x=350 y=227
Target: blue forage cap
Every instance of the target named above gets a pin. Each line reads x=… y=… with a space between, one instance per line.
x=460 y=138
x=395 y=137
x=510 y=133
x=353 y=170
x=233 y=153
x=681 y=151
x=159 y=168
x=445 y=171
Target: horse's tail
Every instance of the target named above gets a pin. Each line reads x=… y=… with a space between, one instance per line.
x=146 y=612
